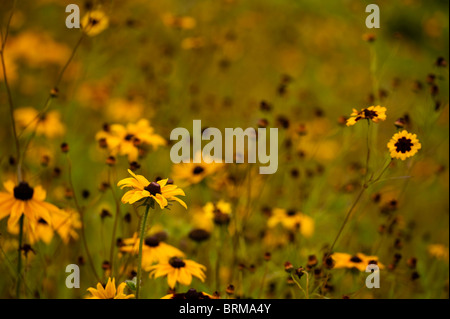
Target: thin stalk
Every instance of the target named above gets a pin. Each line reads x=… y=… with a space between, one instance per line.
x=83 y=228
x=263 y=280
x=299 y=286
x=58 y=81
x=347 y=217
x=141 y=241
x=116 y=219
x=19 y=261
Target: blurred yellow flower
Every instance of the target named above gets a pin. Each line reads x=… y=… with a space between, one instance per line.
x=178 y=270
x=23 y=199
x=48 y=124
x=403 y=145
x=193 y=173
x=358 y=261
x=374 y=113
x=153 y=250
x=179 y=22
x=94 y=22
x=438 y=251
x=161 y=191
x=130 y=139
x=109 y=292
x=192 y=43
x=291 y=220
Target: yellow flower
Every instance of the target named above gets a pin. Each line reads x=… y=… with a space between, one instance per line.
x=439 y=251
x=178 y=270
x=41 y=231
x=178 y=22
x=291 y=220
x=109 y=292
x=23 y=199
x=358 y=261
x=94 y=22
x=193 y=173
x=65 y=224
x=129 y=140
x=48 y=124
x=153 y=250
x=161 y=191
x=191 y=294
x=403 y=145
x=374 y=113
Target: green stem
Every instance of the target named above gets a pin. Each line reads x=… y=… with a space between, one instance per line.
x=141 y=241
x=19 y=262
x=349 y=213
x=116 y=219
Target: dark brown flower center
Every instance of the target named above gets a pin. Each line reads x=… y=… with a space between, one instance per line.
x=177 y=262
x=152 y=241
x=291 y=212
x=370 y=114
x=193 y=294
x=128 y=137
x=198 y=170
x=153 y=188
x=93 y=21
x=403 y=145
x=199 y=235
x=355 y=259
x=23 y=191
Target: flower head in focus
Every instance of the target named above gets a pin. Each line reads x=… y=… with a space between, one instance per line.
x=403 y=145
x=162 y=191
x=373 y=113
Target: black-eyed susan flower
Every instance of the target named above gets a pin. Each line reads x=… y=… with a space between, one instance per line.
x=358 y=261
x=160 y=191
x=403 y=145
x=22 y=199
x=129 y=140
x=48 y=124
x=109 y=291
x=191 y=294
x=94 y=22
x=193 y=173
x=291 y=220
x=178 y=270
x=154 y=250
x=373 y=113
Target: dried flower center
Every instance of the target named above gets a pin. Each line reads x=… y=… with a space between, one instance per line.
x=355 y=259
x=198 y=170
x=152 y=241
x=177 y=262
x=153 y=188
x=23 y=191
x=403 y=145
